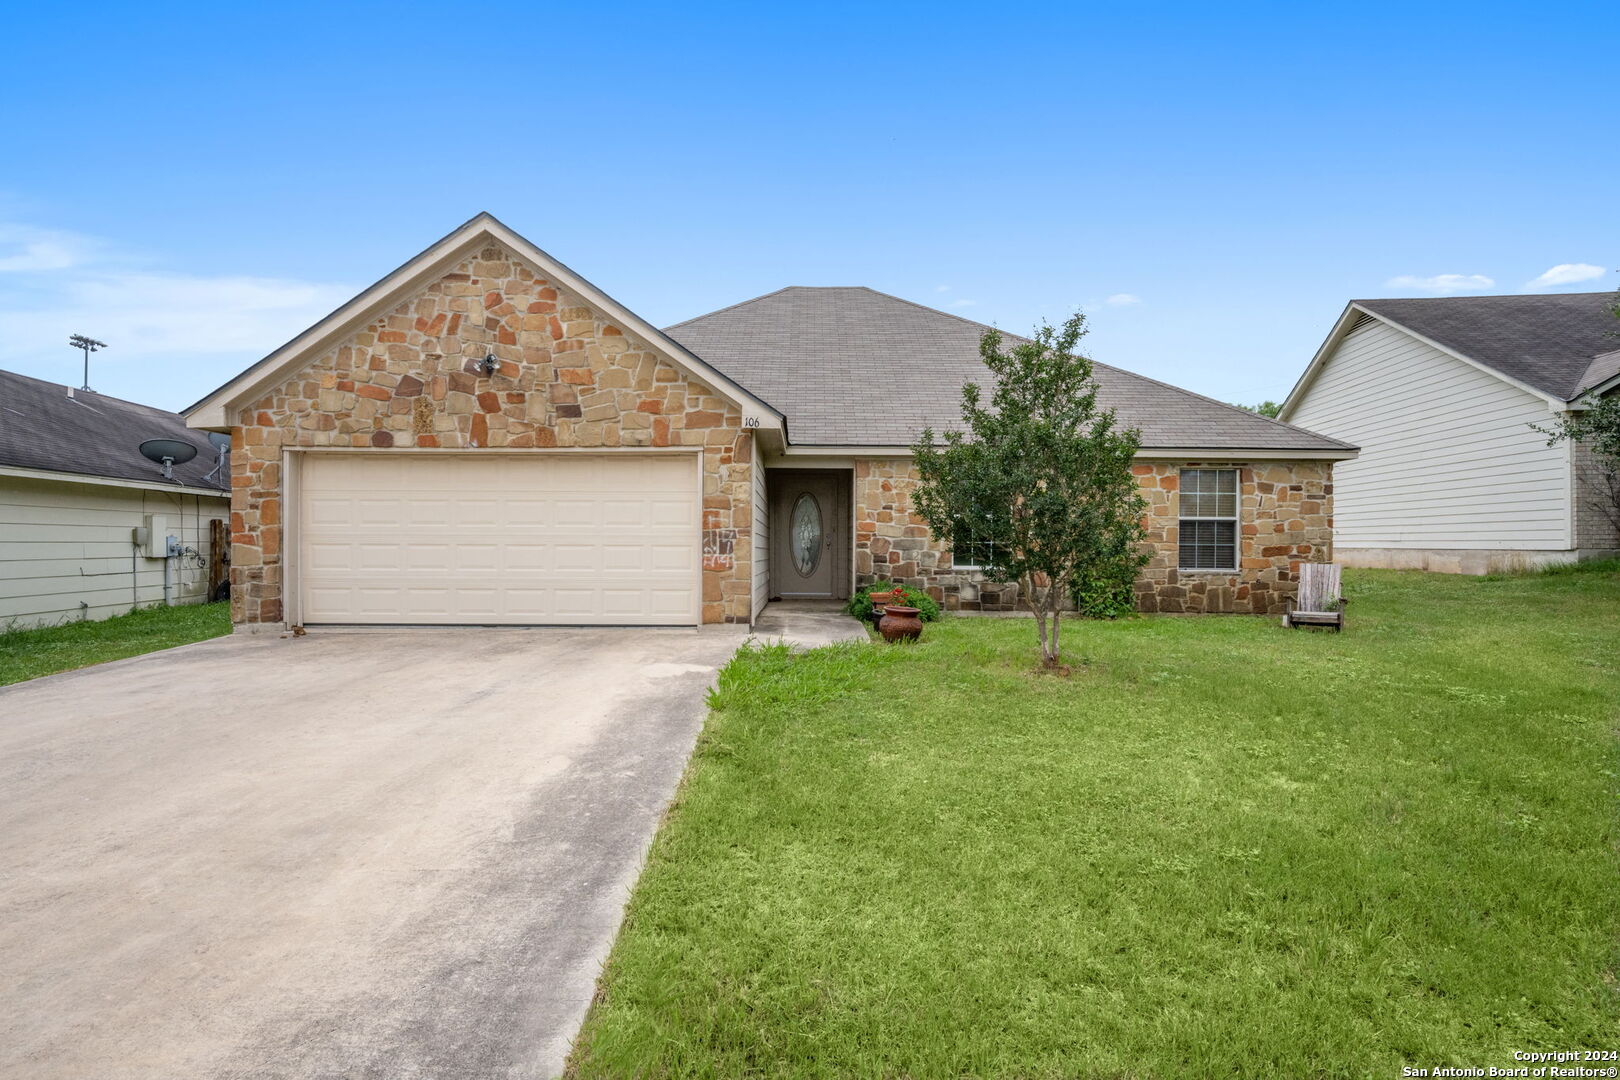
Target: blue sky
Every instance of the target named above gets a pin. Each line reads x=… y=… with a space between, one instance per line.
x=195 y=184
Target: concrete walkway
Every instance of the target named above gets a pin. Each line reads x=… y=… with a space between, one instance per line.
x=808 y=624
x=342 y=855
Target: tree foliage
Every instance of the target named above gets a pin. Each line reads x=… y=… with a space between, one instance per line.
x=1265 y=408
x=1039 y=482
x=1597 y=426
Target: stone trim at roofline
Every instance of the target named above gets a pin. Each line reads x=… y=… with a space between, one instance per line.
x=567 y=377
x=1286 y=518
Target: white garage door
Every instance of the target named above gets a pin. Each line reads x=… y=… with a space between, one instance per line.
x=482 y=538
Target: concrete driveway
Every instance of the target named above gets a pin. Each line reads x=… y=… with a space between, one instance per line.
x=343 y=855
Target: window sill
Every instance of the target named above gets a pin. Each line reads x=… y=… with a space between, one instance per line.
x=1206 y=570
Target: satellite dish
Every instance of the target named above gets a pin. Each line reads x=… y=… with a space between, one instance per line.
x=169 y=452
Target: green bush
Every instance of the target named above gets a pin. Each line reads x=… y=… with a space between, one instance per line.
x=1106 y=594
x=860 y=605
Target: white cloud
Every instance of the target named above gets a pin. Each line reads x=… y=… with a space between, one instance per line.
x=942 y=288
x=1566 y=274
x=27 y=249
x=58 y=284
x=964 y=303
x=1441 y=284
x=1123 y=299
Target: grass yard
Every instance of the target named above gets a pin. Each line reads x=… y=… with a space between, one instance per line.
x=28 y=654
x=1221 y=849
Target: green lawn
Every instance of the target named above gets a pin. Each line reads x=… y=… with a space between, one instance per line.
x=1221 y=849
x=28 y=654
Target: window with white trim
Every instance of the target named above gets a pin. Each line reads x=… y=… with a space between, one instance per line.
x=972 y=554
x=973 y=550
x=1209 y=519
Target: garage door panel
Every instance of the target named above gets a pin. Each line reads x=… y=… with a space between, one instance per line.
x=667 y=557
x=418 y=600
x=623 y=601
x=525 y=555
x=370 y=513
x=666 y=511
x=576 y=603
x=379 y=557
x=427 y=557
x=622 y=513
x=526 y=539
x=477 y=513
x=576 y=513
x=621 y=557
x=428 y=512
x=338 y=558
x=529 y=605
x=576 y=557
x=528 y=512
x=475 y=560
x=669 y=602
x=326 y=511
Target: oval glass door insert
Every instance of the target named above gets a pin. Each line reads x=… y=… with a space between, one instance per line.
x=805 y=532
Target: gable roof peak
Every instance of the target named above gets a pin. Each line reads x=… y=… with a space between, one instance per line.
x=214 y=410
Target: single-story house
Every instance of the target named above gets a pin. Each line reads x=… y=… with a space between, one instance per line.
x=1444 y=396
x=484 y=437
x=85 y=518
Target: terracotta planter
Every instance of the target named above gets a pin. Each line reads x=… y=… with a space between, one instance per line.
x=879 y=600
x=900 y=624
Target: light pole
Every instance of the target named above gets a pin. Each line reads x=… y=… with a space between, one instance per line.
x=89 y=345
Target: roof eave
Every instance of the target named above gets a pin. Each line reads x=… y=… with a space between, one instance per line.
x=1152 y=453
x=1598 y=389
x=66 y=477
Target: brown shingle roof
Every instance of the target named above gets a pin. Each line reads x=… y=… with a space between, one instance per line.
x=853 y=366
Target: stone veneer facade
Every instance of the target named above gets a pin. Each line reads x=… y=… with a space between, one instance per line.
x=1286 y=519
x=1596 y=532
x=567 y=377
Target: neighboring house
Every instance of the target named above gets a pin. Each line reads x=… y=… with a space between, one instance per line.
x=485 y=437
x=73 y=490
x=1441 y=395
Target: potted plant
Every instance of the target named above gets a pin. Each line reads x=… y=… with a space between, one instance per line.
x=900 y=623
x=880 y=600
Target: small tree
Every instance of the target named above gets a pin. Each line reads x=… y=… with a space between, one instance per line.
x=1597 y=425
x=1039 y=485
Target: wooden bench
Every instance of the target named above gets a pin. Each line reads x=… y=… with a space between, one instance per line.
x=1318 y=602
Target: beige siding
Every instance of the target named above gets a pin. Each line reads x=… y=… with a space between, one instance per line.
x=1448 y=458
x=65 y=549
x=761 y=543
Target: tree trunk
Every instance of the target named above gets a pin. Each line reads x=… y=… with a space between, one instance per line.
x=1026 y=586
x=1054 y=597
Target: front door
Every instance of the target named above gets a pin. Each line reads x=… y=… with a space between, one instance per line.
x=809 y=521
